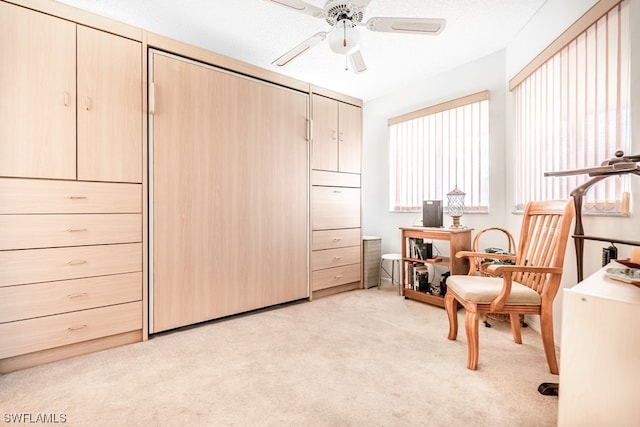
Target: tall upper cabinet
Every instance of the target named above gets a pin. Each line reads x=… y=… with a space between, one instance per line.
x=71 y=192
x=337 y=135
x=38 y=77
x=335 y=195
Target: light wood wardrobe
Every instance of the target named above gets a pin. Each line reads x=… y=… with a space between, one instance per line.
x=229 y=193
x=336 y=246
x=71 y=192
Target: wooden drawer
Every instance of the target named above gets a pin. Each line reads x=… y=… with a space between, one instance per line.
x=48 y=231
x=327 y=278
x=44 y=299
x=41 y=333
x=29 y=196
x=329 y=239
x=335 y=179
x=335 y=257
x=335 y=207
x=45 y=265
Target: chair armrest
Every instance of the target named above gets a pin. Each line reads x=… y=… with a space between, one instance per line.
x=506 y=271
x=501 y=269
x=487 y=255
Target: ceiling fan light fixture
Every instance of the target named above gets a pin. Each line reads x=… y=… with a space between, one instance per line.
x=344 y=39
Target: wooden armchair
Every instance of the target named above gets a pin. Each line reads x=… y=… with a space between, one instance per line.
x=528 y=287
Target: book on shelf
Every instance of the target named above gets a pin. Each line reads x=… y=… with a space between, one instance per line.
x=419 y=249
x=418 y=277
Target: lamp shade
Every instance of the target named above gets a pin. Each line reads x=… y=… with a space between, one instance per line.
x=344 y=38
x=455 y=200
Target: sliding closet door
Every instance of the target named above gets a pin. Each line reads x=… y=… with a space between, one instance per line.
x=229 y=193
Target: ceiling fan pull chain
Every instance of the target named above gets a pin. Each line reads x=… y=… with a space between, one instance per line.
x=344 y=28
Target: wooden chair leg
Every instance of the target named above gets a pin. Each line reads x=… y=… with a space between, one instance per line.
x=514 y=319
x=451 y=306
x=546 y=331
x=471 y=319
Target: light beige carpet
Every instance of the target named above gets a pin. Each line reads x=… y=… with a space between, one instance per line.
x=361 y=358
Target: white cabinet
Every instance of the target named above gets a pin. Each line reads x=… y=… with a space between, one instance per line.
x=600 y=353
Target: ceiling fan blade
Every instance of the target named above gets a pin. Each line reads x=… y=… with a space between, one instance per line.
x=360 y=3
x=431 y=26
x=300 y=6
x=300 y=49
x=357 y=62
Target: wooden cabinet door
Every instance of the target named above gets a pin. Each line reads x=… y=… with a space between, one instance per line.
x=230 y=194
x=324 y=155
x=37 y=95
x=109 y=107
x=349 y=138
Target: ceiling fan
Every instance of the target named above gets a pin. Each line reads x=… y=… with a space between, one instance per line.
x=344 y=16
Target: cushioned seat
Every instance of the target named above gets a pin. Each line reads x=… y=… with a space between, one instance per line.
x=483 y=290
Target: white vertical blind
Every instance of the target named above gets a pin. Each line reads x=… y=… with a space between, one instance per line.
x=573 y=113
x=434 y=149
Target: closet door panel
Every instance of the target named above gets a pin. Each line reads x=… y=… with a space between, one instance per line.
x=350 y=138
x=229 y=194
x=324 y=154
x=109 y=107
x=37 y=94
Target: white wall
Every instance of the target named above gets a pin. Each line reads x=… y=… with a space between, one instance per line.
x=484 y=74
x=493 y=73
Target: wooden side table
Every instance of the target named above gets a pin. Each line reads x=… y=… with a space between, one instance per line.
x=459 y=239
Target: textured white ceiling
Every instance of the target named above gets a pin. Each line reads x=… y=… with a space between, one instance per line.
x=258 y=32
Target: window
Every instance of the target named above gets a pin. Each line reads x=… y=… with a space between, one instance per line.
x=572 y=110
x=434 y=149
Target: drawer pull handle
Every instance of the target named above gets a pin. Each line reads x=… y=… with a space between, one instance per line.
x=77 y=197
x=338 y=276
x=76 y=230
x=337 y=191
x=337 y=239
x=77 y=328
x=336 y=258
x=79 y=262
x=77 y=295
